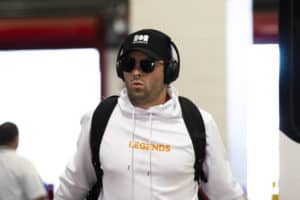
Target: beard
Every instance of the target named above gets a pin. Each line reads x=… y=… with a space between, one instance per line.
x=141 y=94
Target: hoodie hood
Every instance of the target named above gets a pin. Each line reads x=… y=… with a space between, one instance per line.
x=169 y=109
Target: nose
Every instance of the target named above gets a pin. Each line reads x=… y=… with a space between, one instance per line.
x=137 y=68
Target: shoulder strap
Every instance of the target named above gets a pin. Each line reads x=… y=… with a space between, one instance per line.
x=99 y=121
x=196 y=128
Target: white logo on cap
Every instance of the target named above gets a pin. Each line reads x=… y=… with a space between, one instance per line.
x=142 y=39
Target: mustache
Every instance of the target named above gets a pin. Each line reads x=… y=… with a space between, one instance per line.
x=139 y=79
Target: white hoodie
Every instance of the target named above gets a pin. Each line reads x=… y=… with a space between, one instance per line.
x=147 y=154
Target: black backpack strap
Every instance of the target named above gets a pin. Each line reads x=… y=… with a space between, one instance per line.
x=196 y=128
x=99 y=121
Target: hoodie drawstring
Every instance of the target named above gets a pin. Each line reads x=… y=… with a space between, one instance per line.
x=131 y=164
x=150 y=155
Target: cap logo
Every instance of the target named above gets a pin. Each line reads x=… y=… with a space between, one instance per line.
x=140 y=39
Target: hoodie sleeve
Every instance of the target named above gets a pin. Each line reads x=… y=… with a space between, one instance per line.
x=221 y=183
x=79 y=175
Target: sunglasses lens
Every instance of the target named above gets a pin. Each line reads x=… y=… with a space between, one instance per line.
x=127 y=64
x=147 y=65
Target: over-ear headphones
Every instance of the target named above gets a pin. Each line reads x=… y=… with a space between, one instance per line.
x=118 y=67
x=171 y=66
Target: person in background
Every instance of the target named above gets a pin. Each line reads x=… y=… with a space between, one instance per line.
x=19 y=179
x=148 y=113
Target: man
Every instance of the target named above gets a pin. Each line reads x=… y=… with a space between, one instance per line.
x=148 y=114
x=19 y=179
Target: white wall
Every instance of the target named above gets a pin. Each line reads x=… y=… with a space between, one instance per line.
x=239 y=41
x=46 y=92
x=289 y=169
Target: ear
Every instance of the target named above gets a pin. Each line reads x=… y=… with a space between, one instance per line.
x=15 y=143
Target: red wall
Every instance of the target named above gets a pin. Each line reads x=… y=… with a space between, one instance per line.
x=265 y=27
x=54 y=33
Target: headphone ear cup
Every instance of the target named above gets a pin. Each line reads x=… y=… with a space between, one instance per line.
x=118 y=65
x=119 y=70
x=171 y=71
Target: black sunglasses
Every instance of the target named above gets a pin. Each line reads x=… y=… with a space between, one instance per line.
x=127 y=64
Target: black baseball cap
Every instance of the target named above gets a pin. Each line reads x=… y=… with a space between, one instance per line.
x=153 y=43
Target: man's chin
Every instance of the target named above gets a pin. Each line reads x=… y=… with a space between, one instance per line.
x=136 y=93
x=137 y=90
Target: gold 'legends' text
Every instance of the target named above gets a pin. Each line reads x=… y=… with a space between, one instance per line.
x=151 y=147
